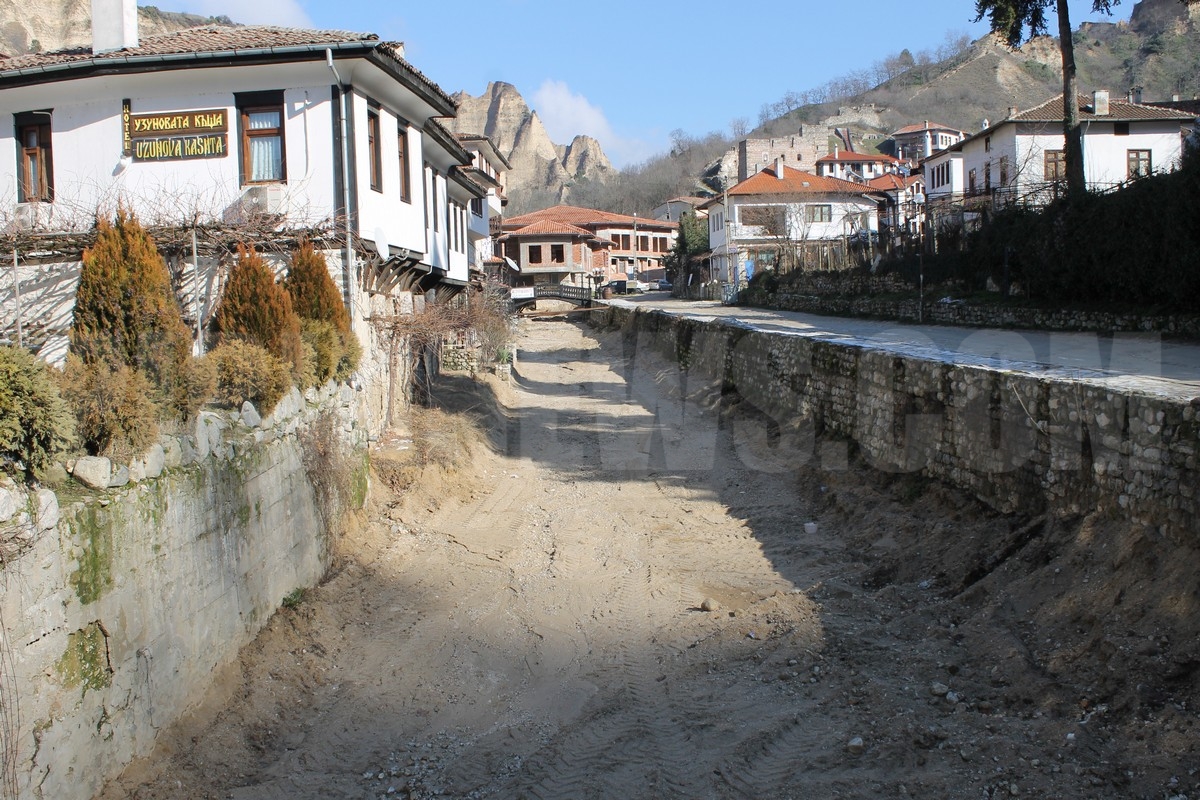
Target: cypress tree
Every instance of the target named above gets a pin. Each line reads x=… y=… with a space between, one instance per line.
x=314 y=294
x=256 y=309
x=126 y=313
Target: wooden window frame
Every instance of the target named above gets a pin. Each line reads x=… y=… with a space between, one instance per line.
x=250 y=103
x=39 y=157
x=374 y=148
x=402 y=151
x=1054 y=165
x=818 y=212
x=1138 y=163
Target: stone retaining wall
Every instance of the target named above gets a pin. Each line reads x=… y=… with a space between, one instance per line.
x=937 y=311
x=125 y=600
x=1019 y=442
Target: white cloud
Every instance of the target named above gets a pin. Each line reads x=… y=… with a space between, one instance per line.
x=284 y=13
x=567 y=115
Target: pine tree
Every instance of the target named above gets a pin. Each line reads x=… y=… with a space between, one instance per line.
x=256 y=309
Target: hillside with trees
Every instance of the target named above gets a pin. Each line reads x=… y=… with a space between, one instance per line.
x=959 y=83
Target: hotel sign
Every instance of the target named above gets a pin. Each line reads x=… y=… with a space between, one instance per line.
x=177 y=135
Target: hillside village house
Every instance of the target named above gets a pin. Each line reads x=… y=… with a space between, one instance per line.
x=902 y=211
x=584 y=247
x=915 y=142
x=782 y=218
x=847 y=165
x=228 y=130
x=1020 y=158
x=487 y=169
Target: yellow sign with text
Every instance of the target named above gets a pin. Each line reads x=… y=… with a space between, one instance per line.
x=180 y=147
x=175 y=123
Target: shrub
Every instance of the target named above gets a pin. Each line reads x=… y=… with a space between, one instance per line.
x=114 y=406
x=314 y=294
x=126 y=313
x=247 y=371
x=316 y=299
x=35 y=424
x=255 y=309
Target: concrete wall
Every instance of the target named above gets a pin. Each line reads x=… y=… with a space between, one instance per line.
x=1021 y=443
x=125 y=601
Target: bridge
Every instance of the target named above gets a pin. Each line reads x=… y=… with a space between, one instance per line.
x=523 y=296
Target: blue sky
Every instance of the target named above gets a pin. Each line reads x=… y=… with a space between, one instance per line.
x=630 y=73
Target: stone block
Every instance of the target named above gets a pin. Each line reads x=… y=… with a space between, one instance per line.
x=47 y=516
x=120 y=477
x=155 y=460
x=172 y=452
x=8 y=504
x=93 y=471
x=250 y=417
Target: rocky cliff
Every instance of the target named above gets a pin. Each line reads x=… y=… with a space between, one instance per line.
x=33 y=25
x=542 y=172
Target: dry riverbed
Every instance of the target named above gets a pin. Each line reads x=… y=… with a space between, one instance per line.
x=577 y=611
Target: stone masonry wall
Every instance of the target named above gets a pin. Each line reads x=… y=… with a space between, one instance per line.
x=1021 y=443
x=126 y=600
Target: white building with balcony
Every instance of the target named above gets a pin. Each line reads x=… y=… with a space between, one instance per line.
x=1020 y=158
x=782 y=218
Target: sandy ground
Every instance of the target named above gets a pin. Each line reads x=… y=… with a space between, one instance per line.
x=588 y=609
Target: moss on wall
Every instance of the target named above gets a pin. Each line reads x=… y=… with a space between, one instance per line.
x=93 y=531
x=85 y=662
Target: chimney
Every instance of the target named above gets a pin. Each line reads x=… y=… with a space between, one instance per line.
x=835 y=150
x=1012 y=111
x=986 y=124
x=114 y=25
x=1100 y=102
x=779 y=167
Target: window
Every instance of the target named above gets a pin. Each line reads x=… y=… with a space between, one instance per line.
x=818 y=213
x=535 y=254
x=402 y=150
x=1139 y=163
x=477 y=206
x=643 y=243
x=971 y=181
x=1003 y=171
x=624 y=241
x=374 y=148
x=987 y=144
x=35 y=182
x=557 y=255
x=1120 y=129
x=987 y=176
x=1054 y=166
x=261 y=119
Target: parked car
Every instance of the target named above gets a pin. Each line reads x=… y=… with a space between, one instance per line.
x=664 y=285
x=625 y=287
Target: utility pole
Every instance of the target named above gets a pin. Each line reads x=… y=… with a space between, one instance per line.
x=17 y=296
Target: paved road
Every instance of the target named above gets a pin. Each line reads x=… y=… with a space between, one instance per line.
x=1125 y=362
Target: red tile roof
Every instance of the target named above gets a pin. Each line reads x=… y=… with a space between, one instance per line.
x=591 y=217
x=548 y=227
x=1118 y=111
x=796 y=181
x=228 y=41
x=925 y=126
x=892 y=181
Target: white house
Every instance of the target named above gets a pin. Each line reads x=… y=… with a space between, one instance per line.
x=848 y=165
x=488 y=169
x=915 y=142
x=783 y=216
x=229 y=130
x=1020 y=158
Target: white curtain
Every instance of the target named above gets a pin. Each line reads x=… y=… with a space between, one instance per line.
x=266 y=152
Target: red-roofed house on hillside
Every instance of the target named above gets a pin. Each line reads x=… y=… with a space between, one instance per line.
x=856 y=167
x=915 y=142
x=903 y=212
x=582 y=246
x=783 y=218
